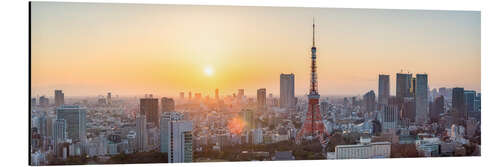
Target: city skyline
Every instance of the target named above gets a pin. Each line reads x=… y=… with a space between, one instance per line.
x=145 y=57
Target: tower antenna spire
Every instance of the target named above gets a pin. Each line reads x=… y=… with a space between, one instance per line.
x=314 y=31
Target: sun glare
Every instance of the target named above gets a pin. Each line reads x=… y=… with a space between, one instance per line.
x=208 y=71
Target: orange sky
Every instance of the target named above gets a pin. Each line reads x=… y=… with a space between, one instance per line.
x=89 y=49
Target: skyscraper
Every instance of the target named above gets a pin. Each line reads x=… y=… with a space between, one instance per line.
x=458 y=106
x=141 y=138
x=167 y=104
x=43 y=101
x=241 y=93
x=469 y=97
x=216 y=94
x=261 y=99
x=149 y=108
x=287 y=90
x=313 y=124
x=389 y=117
x=421 y=99
x=176 y=138
x=403 y=84
x=437 y=108
x=369 y=101
x=383 y=89
x=75 y=117
x=108 y=98
x=58 y=98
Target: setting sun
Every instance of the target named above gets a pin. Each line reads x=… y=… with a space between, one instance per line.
x=208 y=71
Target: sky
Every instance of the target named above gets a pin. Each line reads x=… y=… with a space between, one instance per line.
x=89 y=49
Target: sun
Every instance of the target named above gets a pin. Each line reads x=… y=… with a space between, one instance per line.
x=209 y=71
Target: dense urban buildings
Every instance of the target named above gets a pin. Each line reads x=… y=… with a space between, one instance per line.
x=234 y=126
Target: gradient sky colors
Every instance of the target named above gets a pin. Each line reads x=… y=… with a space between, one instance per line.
x=87 y=49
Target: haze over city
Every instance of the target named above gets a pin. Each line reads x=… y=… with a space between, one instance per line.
x=89 y=49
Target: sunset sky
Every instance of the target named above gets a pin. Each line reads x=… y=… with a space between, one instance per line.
x=89 y=49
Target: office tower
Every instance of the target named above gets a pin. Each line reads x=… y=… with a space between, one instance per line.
x=369 y=101
x=469 y=97
x=59 y=132
x=389 y=117
x=323 y=107
x=176 y=139
x=216 y=94
x=149 y=108
x=33 y=102
x=437 y=108
x=403 y=84
x=458 y=106
x=241 y=93
x=189 y=96
x=141 y=138
x=167 y=104
x=43 y=101
x=108 y=98
x=58 y=98
x=42 y=124
x=248 y=116
x=421 y=99
x=383 y=89
x=261 y=99
x=409 y=109
x=75 y=117
x=181 y=95
x=313 y=124
x=442 y=91
x=287 y=90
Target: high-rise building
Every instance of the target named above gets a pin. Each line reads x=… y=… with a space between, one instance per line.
x=59 y=132
x=33 y=102
x=458 y=106
x=437 y=108
x=369 y=101
x=216 y=94
x=409 y=109
x=189 y=96
x=108 y=98
x=149 y=108
x=248 y=116
x=403 y=84
x=383 y=89
x=176 y=138
x=469 y=97
x=75 y=117
x=313 y=126
x=241 y=93
x=181 y=95
x=261 y=99
x=43 y=101
x=421 y=99
x=389 y=117
x=141 y=138
x=167 y=104
x=58 y=98
x=287 y=90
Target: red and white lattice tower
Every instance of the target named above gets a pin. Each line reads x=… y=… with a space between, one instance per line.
x=313 y=124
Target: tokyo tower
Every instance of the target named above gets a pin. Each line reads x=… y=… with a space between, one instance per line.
x=313 y=125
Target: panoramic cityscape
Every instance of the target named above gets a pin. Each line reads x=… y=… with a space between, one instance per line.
x=291 y=115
